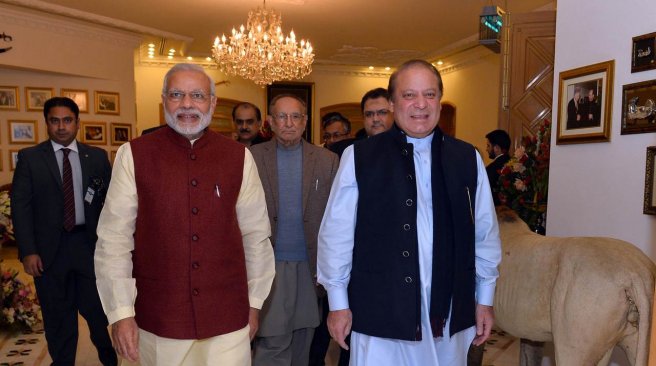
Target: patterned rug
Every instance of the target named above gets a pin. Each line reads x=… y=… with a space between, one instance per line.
x=24 y=349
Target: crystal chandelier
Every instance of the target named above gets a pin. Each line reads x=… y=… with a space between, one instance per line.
x=261 y=52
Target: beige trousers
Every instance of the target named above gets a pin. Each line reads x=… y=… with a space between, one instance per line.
x=232 y=349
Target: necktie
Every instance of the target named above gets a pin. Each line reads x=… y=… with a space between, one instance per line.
x=69 y=196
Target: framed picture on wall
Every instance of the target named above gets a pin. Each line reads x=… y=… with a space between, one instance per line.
x=305 y=91
x=80 y=97
x=585 y=103
x=22 y=132
x=649 y=206
x=639 y=107
x=36 y=98
x=13 y=159
x=107 y=102
x=94 y=133
x=642 y=53
x=120 y=133
x=9 y=100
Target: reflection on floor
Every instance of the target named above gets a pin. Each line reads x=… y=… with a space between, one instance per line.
x=30 y=349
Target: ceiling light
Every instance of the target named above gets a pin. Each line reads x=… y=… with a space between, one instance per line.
x=208 y=59
x=170 y=57
x=371 y=67
x=387 y=68
x=189 y=58
x=261 y=52
x=440 y=63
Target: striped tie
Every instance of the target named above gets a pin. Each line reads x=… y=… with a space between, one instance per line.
x=69 y=196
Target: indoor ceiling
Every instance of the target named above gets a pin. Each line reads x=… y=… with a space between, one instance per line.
x=342 y=32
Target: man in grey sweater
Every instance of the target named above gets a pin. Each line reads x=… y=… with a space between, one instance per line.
x=297 y=177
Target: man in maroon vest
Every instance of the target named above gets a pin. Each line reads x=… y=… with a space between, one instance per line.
x=185 y=225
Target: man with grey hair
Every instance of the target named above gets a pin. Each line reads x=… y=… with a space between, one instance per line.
x=297 y=177
x=185 y=226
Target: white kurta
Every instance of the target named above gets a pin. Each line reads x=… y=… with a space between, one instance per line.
x=335 y=259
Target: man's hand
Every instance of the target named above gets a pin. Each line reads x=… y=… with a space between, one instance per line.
x=484 y=322
x=125 y=336
x=253 y=322
x=33 y=265
x=339 y=325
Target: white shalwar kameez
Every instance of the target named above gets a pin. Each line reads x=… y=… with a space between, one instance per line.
x=335 y=260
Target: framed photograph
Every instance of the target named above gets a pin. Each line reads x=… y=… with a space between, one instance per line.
x=120 y=133
x=9 y=100
x=107 y=102
x=22 y=132
x=305 y=91
x=80 y=97
x=36 y=98
x=94 y=133
x=639 y=107
x=642 y=53
x=584 y=104
x=13 y=159
x=649 y=206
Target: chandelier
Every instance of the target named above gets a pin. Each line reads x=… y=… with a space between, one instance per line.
x=261 y=52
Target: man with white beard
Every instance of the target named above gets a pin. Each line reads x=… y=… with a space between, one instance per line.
x=185 y=226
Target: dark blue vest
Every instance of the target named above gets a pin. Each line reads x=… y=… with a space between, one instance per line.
x=384 y=290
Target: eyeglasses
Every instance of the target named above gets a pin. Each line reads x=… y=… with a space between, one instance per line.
x=379 y=113
x=178 y=96
x=333 y=136
x=283 y=117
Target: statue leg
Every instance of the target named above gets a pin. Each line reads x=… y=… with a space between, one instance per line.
x=475 y=355
x=530 y=352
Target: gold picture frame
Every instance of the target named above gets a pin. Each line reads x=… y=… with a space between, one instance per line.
x=107 y=102
x=120 y=133
x=9 y=98
x=93 y=133
x=13 y=159
x=35 y=98
x=649 y=206
x=22 y=131
x=585 y=97
x=79 y=96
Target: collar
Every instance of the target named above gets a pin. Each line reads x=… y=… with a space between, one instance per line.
x=498 y=156
x=72 y=146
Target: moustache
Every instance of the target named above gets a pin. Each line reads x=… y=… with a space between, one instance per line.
x=244 y=130
x=196 y=112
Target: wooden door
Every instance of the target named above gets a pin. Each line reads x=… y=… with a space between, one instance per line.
x=448 y=119
x=527 y=73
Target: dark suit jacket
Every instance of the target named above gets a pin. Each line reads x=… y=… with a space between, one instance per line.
x=319 y=169
x=37 y=199
x=493 y=175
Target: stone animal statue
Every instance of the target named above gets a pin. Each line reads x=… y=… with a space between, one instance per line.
x=584 y=294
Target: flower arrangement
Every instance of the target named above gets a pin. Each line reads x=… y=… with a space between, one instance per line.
x=524 y=180
x=6 y=227
x=20 y=308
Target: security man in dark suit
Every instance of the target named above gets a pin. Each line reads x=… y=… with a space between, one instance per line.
x=57 y=194
x=498 y=144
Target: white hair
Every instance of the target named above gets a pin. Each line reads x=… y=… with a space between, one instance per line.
x=187 y=67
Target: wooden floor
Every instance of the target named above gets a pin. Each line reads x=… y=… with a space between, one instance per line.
x=31 y=350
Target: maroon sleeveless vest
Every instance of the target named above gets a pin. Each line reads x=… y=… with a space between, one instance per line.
x=188 y=259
